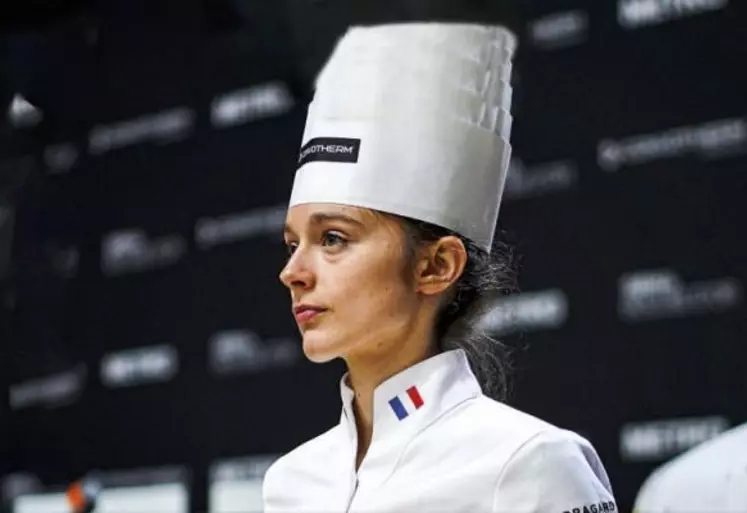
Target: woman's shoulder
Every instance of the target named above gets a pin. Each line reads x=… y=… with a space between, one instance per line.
x=506 y=423
x=520 y=438
x=534 y=455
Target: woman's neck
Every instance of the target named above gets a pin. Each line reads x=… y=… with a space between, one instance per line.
x=366 y=374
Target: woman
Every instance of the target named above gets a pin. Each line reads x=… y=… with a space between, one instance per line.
x=390 y=232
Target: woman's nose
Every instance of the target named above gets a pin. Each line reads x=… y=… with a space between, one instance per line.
x=296 y=273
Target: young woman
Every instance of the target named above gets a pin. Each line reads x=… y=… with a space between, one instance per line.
x=390 y=238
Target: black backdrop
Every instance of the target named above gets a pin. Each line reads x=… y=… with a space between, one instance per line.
x=625 y=200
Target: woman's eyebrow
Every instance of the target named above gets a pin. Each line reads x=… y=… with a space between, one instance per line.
x=322 y=217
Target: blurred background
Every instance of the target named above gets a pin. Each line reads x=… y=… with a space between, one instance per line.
x=147 y=150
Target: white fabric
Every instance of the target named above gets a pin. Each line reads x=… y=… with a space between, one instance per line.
x=422 y=150
x=433 y=70
x=395 y=89
x=712 y=478
x=459 y=452
x=425 y=105
x=482 y=44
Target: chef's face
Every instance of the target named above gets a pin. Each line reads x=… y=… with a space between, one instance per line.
x=346 y=273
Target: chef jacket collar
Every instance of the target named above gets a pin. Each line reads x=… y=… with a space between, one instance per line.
x=407 y=403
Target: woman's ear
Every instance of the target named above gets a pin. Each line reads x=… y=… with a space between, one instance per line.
x=440 y=264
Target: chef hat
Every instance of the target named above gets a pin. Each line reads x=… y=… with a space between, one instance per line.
x=413 y=119
x=709 y=477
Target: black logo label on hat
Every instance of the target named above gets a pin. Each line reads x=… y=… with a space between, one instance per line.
x=330 y=149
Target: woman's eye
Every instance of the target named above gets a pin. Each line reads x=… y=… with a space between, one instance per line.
x=291 y=247
x=333 y=239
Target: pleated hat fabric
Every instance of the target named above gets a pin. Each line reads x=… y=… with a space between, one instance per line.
x=413 y=119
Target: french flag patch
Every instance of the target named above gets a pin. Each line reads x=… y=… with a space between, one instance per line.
x=413 y=399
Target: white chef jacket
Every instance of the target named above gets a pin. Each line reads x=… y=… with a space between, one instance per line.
x=440 y=445
x=711 y=478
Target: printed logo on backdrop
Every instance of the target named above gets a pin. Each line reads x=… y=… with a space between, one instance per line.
x=663 y=439
x=242 y=469
x=161 y=128
x=52 y=391
x=632 y=14
x=213 y=231
x=559 y=30
x=251 y=104
x=712 y=140
x=131 y=250
x=245 y=352
x=528 y=311
x=143 y=477
x=660 y=294
x=140 y=366
x=524 y=182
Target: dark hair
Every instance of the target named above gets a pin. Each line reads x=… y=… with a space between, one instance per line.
x=486 y=276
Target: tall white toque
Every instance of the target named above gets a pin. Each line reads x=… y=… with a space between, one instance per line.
x=413 y=119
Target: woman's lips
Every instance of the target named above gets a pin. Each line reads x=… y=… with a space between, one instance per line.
x=306 y=314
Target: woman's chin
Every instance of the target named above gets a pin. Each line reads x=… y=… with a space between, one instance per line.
x=319 y=350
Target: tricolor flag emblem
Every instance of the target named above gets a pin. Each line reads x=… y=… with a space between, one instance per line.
x=413 y=399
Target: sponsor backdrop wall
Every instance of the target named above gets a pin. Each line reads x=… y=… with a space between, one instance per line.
x=151 y=340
